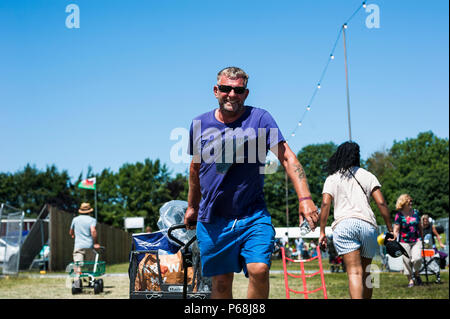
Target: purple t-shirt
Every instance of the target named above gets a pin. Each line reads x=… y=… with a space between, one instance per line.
x=233 y=157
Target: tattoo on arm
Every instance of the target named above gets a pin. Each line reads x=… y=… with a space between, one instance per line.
x=299 y=170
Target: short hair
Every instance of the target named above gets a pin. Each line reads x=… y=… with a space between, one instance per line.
x=402 y=200
x=233 y=72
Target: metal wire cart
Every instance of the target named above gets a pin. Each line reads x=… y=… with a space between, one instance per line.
x=166 y=269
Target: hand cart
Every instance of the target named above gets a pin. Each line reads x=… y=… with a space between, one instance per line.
x=149 y=274
x=89 y=272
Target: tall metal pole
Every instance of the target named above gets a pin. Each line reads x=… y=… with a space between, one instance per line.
x=346 y=80
x=287 y=207
x=95 y=191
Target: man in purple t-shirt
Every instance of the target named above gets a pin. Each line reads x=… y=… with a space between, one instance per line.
x=226 y=178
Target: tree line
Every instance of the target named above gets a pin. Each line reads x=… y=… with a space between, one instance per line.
x=417 y=166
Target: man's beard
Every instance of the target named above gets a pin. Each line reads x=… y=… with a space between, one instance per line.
x=234 y=109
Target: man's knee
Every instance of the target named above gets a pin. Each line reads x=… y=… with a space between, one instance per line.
x=223 y=283
x=258 y=271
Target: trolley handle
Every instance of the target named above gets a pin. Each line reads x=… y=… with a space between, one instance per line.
x=178 y=241
x=99 y=249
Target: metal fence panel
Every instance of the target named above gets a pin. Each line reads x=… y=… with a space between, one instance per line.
x=10 y=239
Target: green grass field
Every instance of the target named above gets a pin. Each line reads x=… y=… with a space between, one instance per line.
x=391 y=285
x=31 y=285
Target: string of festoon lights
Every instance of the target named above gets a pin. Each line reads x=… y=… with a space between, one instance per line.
x=272 y=162
x=331 y=57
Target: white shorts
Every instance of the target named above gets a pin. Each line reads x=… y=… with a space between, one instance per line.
x=352 y=234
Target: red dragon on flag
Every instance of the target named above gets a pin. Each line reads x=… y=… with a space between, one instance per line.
x=89 y=183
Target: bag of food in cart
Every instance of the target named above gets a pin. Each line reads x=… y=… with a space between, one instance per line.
x=172 y=271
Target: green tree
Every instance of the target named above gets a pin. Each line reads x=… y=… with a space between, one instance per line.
x=136 y=190
x=8 y=191
x=30 y=189
x=419 y=167
x=275 y=197
x=379 y=162
x=313 y=159
x=110 y=208
x=178 y=187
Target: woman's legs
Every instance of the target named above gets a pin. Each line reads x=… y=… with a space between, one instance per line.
x=367 y=287
x=353 y=239
x=355 y=272
x=407 y=263
x=416 y=259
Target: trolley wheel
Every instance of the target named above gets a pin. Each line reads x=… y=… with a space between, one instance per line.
x=97 y=288
x=77 y=288
x=100 y=282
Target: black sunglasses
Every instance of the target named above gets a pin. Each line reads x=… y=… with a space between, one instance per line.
x=227 y=89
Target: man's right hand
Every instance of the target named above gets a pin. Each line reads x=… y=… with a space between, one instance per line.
x=190 y=217
x=308 y=211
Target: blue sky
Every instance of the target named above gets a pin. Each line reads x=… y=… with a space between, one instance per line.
x=111 y=91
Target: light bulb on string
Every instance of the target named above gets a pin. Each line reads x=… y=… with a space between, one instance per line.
x=331 y=57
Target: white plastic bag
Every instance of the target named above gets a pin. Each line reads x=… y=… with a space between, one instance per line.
x=172 y=213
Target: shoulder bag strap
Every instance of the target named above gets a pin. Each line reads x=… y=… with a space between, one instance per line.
x=362 y=188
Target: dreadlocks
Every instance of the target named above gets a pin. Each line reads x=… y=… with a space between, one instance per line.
x=346 y=156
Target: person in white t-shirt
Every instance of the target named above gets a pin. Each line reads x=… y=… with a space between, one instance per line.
x=350 y=187
x=285 y=240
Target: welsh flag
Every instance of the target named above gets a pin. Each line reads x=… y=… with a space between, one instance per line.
x=88 y=183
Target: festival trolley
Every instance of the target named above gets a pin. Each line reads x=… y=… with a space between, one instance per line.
x=164 y=267
x=88 y=272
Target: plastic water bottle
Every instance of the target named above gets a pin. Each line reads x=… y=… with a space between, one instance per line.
x=304 y=227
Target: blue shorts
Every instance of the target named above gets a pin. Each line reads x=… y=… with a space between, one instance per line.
x=352 y=234
x=228 y=245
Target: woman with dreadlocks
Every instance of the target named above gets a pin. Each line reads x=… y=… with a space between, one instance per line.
x=350 y=187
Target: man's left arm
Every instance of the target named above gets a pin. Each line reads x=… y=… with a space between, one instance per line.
x=94 y=236
x=71 y=232
x=296 y=173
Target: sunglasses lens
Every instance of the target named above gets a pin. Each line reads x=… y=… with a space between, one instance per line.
x=225 y=88
x=239 y=90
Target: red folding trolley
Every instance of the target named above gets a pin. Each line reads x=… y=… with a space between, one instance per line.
x=303 y=276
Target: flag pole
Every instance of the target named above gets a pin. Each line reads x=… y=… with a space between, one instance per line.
x=286 y=198
x=95 y=194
